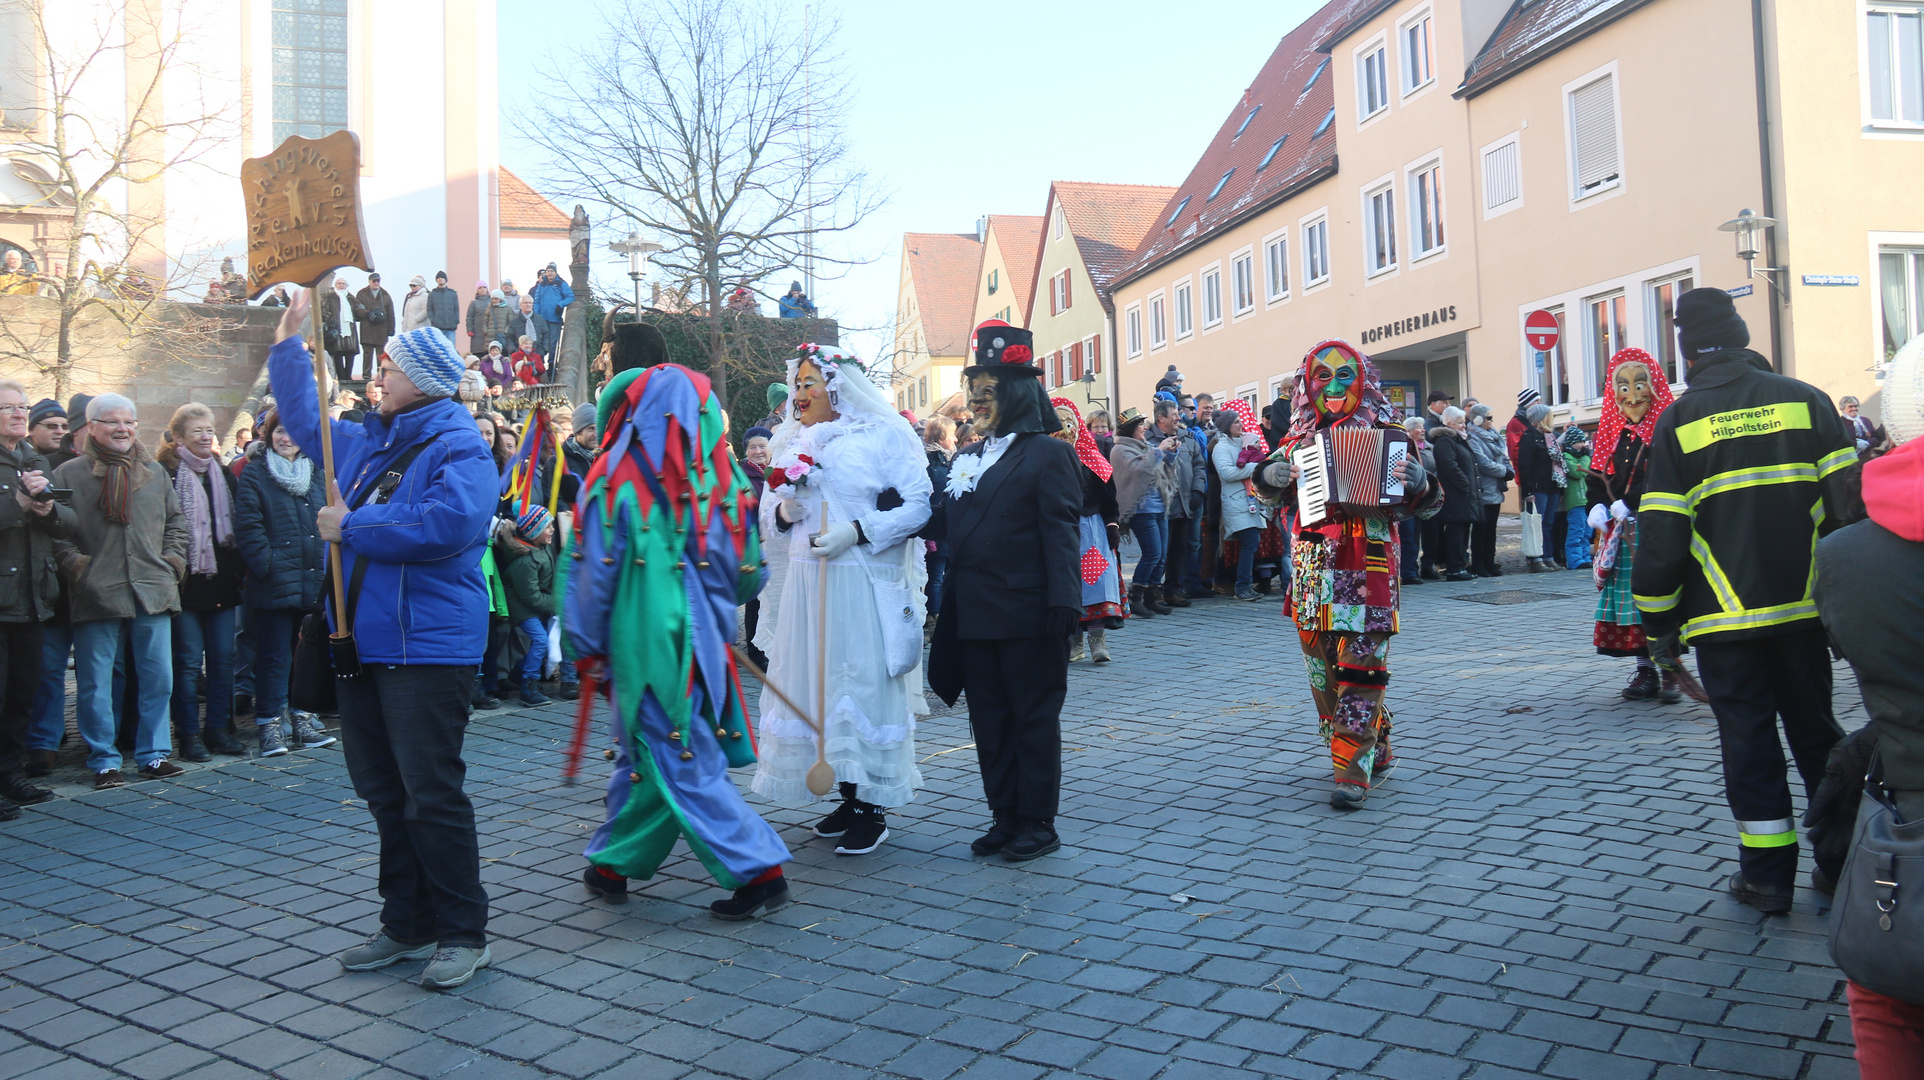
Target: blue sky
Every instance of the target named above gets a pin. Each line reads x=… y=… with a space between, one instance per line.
x=965 y=109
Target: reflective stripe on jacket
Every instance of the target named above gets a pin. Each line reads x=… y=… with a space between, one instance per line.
x=1741 y=485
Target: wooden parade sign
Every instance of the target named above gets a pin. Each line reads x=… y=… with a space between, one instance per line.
x=304 y=212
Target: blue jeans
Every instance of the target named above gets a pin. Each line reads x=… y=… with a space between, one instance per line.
x=1576 y=545
x=202 y=635
x=544 y=333
x=244 y=651
x=537 y=657
x=1547 y=506
x=274 y=632
x=1406 y=531
x=50 y=704
x=150 y=644
x=1152 y=535
x=938 y=573
x=1246 y=557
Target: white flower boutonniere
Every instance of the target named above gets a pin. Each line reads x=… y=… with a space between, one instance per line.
x=964 y=471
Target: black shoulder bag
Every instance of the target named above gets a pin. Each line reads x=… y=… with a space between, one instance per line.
x=1877 y=915
x=319 y=659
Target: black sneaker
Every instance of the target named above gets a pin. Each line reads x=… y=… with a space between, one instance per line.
x=1033 y=839
x=837 y=822
x=1768 y=900
x=220 y=742
x=999 y=834
x=160 y=770
x=15 y=789
x=1412 y=579
x=8 y=811
x=192 y=748
x=751 y=900
x=1643 y=685
x=532 y=696
x=1823 y=882
x=612 y=889
x=865 y=833
x=1430 y=574
x=485 y=701
x=1459 y=575
x=568 y=690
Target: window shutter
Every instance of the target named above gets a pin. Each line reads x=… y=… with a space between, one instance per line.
x=1095 y=355
x=1593 y=118
x=1065 y=290
x=1075 y=362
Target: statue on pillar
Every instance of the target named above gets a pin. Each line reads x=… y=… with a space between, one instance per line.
x=574 y=334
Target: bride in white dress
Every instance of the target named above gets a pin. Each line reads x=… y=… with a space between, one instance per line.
x=847 y=481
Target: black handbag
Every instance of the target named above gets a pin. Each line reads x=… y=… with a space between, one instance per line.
x=320 y=657
x=1877 y=914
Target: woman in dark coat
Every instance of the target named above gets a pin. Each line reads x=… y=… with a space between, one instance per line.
x=1540 y=477
x=1456 y=468
x=281 y=492
x=210 y=593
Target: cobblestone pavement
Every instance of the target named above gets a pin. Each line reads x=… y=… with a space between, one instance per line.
x=1535 y=893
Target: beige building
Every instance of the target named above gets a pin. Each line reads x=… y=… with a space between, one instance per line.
x=1089 y=232
x=1575 y=159
x=1007 y=274
x=934 y=299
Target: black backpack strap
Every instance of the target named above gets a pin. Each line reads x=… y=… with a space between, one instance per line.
x=380 y=491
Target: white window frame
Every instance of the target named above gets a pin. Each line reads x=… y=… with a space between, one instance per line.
x=1578 y=197
x=1057 y=225
x=1091 y=356
x=1585 y=404
x=1158 y=305
x=1594 y=366
x=1059 y=292
x=1881 y=243
x=1247 y=392
x=1423 y=166
x=1182 y=305
x=1873 y=125
x=1380 y=192
x=1242 y=275
x=1132 y=331
x=1210 y=288
x=1407 y=79
x=1275 y=384
x=1653 y=324
x=1514 y=138
x=1274 y=243
x=1377 y=49
x=1315 y=230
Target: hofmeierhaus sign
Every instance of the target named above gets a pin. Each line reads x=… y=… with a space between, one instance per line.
x=1420 y=321
x=304 y=211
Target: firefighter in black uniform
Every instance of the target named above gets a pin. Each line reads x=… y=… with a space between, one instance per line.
x=1743 y=479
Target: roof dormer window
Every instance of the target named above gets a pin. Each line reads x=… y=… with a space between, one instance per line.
x=1218 y=189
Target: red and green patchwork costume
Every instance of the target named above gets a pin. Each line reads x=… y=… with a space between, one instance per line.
x=664 y=549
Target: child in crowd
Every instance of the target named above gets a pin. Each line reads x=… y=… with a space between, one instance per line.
x=527 y=569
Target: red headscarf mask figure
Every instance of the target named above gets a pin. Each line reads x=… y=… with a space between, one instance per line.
x=1637 y=393
x=1086 y=450
x=1337 y=385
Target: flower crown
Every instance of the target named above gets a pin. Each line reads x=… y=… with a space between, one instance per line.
x=826 y=358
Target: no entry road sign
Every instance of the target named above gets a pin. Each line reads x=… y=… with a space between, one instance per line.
x=1540 y=330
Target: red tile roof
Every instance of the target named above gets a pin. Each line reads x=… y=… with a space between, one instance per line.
x=1532 y=32
x=1288 y=106
x=1019 y=238
x=1108 y=222
x=523 y=209
x=943 y=267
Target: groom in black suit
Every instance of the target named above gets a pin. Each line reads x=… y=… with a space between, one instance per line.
x=1013 y=595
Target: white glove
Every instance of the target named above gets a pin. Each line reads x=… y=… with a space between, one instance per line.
x=1618 y=510
x=790 y=511
x=832 y=543
x=1598 y=515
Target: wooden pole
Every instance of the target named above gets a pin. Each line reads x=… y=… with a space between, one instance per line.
x=327 y=457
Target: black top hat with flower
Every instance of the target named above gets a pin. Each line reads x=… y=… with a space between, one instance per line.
x=1001 y=347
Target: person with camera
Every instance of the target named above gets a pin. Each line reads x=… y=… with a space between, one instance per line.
x=410 y=513
x=30 y=521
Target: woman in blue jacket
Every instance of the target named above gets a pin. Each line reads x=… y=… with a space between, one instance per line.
x=281 y=495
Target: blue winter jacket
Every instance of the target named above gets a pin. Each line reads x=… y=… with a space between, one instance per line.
x=279 y=538
x=424 y=600
x=551 y=298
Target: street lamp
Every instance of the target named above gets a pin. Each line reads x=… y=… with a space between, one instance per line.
x=637 y=251
x=1748 y=225
x=1088 y=381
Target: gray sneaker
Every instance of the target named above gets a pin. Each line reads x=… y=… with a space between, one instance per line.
x=455 y=965
x=380 y=950
x=310 y=733
x=273 y=742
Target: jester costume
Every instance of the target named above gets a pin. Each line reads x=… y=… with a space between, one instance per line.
x=1343 y=594
x=1637 y=393
x=664 y=549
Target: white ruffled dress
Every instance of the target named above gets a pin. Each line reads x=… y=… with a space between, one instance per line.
x=871 y=716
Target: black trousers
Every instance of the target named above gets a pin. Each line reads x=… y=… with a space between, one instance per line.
x=1015 y=690
x=1753 y=684
x=19 y=685
x=1176 y=558
x=1456 y=545
x=1483 y=538
x=401 y=729
x=1432 y=533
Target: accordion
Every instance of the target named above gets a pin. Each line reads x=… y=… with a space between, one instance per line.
x=1354 y=472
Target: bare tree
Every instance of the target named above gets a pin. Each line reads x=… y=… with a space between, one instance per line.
x=94 y=157
x=715 y=126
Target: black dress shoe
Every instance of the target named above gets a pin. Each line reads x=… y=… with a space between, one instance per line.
x=8 y=811
x=612 y=889
x=751 y=900
x=1765 y=899
x=39 y=763
x=1004 y=830
x=1459 y=575
x=191 y=746
x=1823 y=882
x=220 y=742
x=15 y=789
x=1034 y=840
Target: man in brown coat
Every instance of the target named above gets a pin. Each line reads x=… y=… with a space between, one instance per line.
x=124 y=566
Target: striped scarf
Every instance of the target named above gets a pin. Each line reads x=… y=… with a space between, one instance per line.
x=118 y=479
